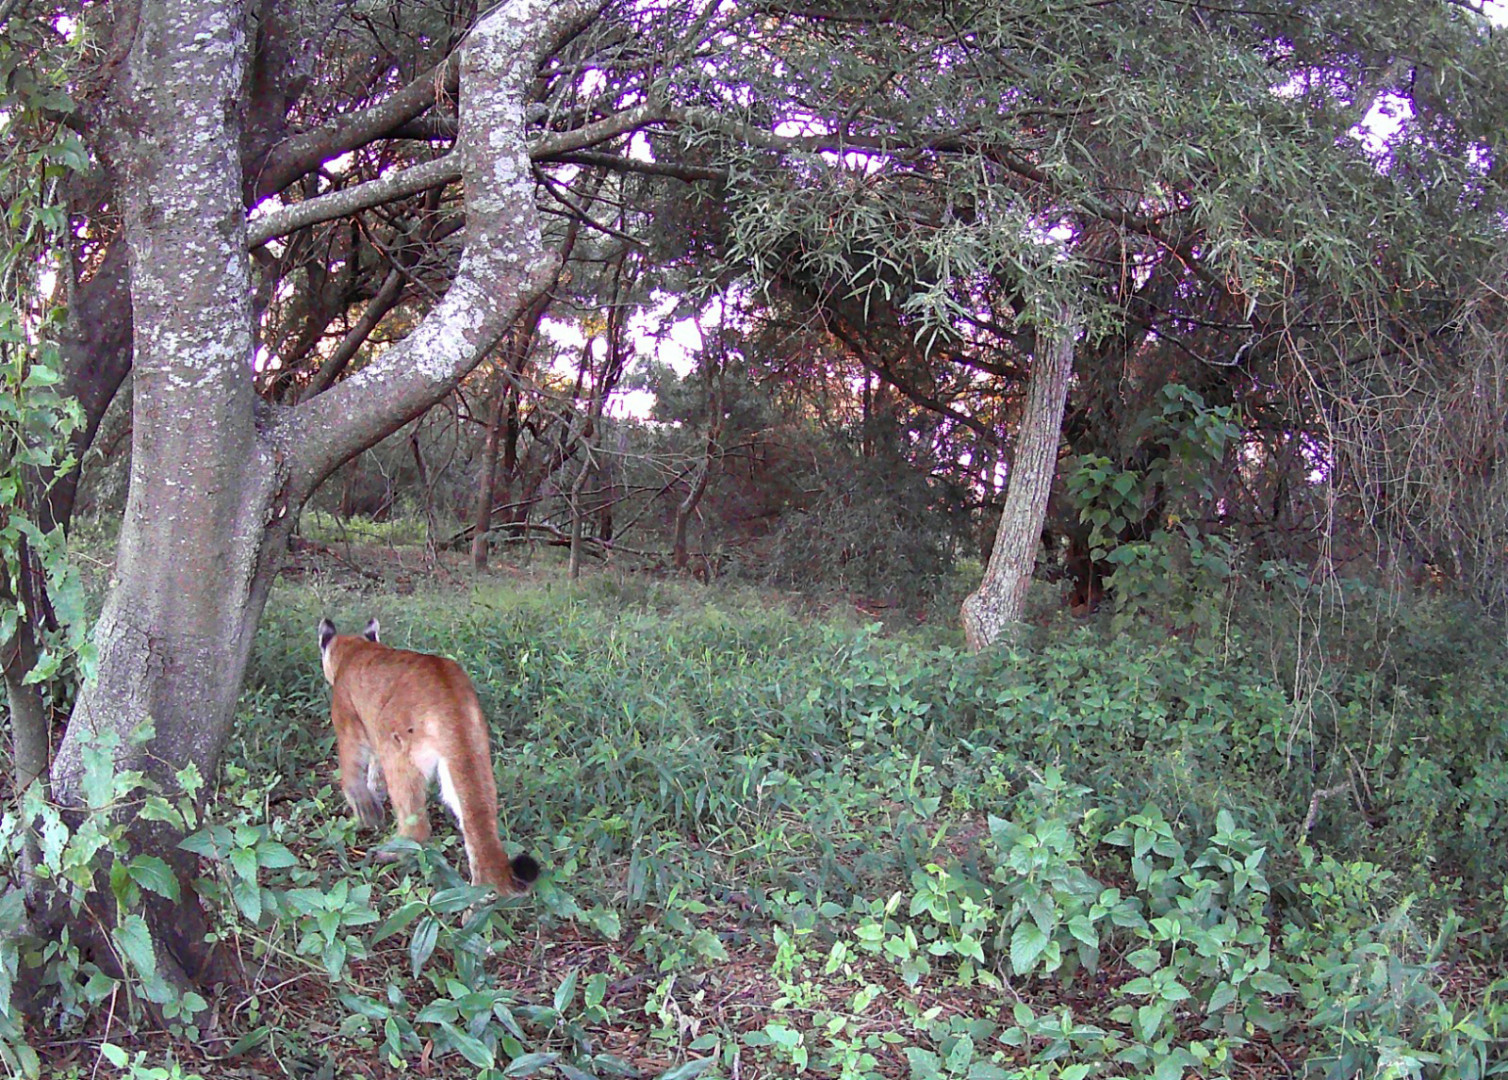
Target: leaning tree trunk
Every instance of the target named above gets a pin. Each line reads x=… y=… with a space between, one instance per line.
x=1000 y=600
x=217 y=477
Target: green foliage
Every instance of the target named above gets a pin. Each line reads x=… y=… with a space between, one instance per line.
x=37 y=585
x=1148 y=520
x=66 y=858
x=717 y=787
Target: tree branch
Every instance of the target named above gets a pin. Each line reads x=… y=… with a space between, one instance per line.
x=502 y=268
x=301 y=154
x=350 y=200
x=417 y=178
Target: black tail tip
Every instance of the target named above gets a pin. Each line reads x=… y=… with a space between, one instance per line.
x=525 y=868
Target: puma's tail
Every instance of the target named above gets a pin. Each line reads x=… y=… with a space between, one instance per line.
x=525 y=870
x=511 y=877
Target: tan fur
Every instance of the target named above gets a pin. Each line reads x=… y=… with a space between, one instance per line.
x=401 y=719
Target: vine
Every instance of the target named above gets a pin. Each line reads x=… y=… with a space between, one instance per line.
x=42 y=591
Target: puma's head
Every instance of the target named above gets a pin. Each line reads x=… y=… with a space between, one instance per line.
x=328 y=633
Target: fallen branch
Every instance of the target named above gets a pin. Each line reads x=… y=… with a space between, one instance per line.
x=1314 y=802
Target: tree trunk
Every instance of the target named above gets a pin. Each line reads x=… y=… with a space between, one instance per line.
x=505 y=417
x=574 y=567
x=28 y=714
x=487 y=486
x=427 y=486
x=1000 y=600
x=217 y=477
x=714 y=370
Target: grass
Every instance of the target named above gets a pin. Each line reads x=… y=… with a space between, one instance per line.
x=779 y=841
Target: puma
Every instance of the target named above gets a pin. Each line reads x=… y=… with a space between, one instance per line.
x=403 y=719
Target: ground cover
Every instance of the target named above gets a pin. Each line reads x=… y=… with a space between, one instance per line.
x=784 y=840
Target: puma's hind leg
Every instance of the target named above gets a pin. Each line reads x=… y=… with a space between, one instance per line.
x=408 y=791
x=358 y=765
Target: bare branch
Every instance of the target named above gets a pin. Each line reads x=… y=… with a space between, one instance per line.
x=304 y=153
x=443 y=170
x=1314 y=802
x=350 y=200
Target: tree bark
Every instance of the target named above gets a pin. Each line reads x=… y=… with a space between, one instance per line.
x=28 y=714
x=1000 y=600
x=217 y=477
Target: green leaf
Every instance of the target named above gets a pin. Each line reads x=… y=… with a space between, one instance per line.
x=688 y=1069
x=248 y=897
x=528 y=1064
x=422 y=945
x=571 y=1072
x=1149 y=1020
x=925 y=1065
x=1027 y=944
x=250 y=1041
x=398 y=920
x=274 y=856
x=1268 y=982
x=961 y=1056
x=244 y=859
x=472 y=1049
x=439 y=1011
x=334 y=958
x=1172 y=1066
x=40 y=375
x=365 y=1006
x=150 y=872
x=565 y=993
x=595 y=991
x=134 y=941
x=1147 y=960
x=1223 y=995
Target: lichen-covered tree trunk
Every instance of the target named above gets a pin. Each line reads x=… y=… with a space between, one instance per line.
x=217 y=476
x=1000 y=600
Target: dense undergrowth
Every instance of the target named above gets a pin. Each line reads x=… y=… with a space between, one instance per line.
x=781 y=844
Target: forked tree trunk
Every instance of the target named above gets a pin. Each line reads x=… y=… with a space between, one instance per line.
x=217 y=477
x=1000 y=600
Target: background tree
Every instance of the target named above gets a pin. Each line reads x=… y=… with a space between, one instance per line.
x=1188 y=178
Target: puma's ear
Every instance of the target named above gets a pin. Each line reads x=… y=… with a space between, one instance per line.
x=326 y=632
x=370 y=633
